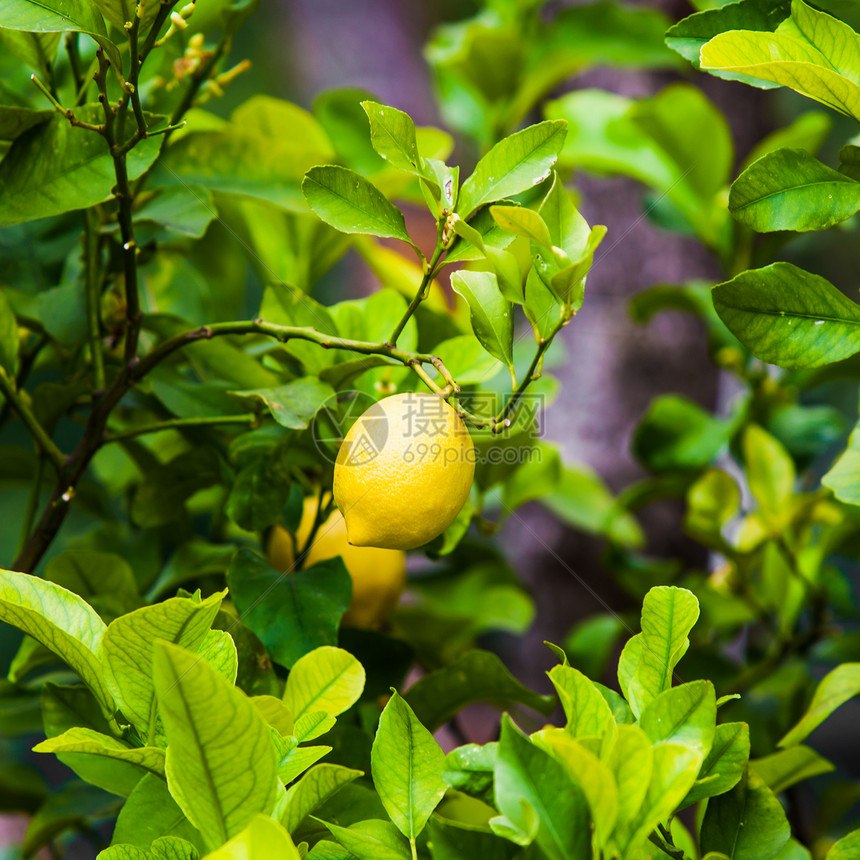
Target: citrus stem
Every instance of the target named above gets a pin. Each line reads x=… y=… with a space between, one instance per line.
x=430 y=271
x=321 y=515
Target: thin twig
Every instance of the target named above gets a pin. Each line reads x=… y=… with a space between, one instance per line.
x=38 y=432
x=180 y=424
x=93 y=297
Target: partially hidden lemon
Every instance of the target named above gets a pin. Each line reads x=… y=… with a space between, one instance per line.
x=378 y=575
x=403 y=472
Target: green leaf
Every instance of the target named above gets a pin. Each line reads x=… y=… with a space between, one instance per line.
x=371 y=840
x=746 y=823
x=185 y=210
x=55 y=168
x=406 y=763
x=477 y=676
x=684 y=715
x=522 y=222
x=585 y=502
x=676 y=433
x=834 y=689
x=631 y=761
x=326 y=679
x=292 y=405
x=62 y=622
x=173 y=848
x=536 y=477
x=845 y=848
x=712 y=501
x=811 y=68
x=84 y=740
x=844 y=475
x=527 y=778
x=783 y=769
x=689 y=35
x=466 y=360
x=258 y=494
x=789 y=317
x=668 y=615
x=673 y=774
x=104 y=579
x=314 y=788
x=514 y=164
x=568 y=230
x=221 y=766
x=807 y=132
x=586 y=711
x=149 y=813
x=61 y=16
x=275 y=713
x=220 y=652
x=724 y=764
x=770 y=473
x=392 y=134
x=129 y=645
x=298 y=760
x=38 y=51
x=351 y=204
x=291 y=614
x=469 y=769
x=491 y=314
x=313 y=725
x=791 y=190
x=262 y=839
x=591 y=774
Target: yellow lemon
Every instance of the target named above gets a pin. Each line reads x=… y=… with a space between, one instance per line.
x=378 y=575
x=403 y=472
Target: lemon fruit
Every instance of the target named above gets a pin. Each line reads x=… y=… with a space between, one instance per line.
x=378 y=575
x=403 y=472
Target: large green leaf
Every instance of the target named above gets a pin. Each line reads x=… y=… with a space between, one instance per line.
x=392 y=134
x=129 y=645
x=813 y=53
x=150 y=813
x=846 y=848
x=62 y=622
x=770 y=473
x=668 y=615
x=631 y=761
x=351 y=204
x=513 y=165
x=292 y=405
x=687 y=36
x=674 y=773
x=89 y=742
x=684 y=715
x=406 y=763
x=834 y=689
x=290 y=614
x=590 y=773
x=61 y=16
x=586 y=712
x=221 y=764
x=262 y=839
x=611 y=134
x=789 y=317
x=844 y=475
x=491 y=314
x=783 y=769
x=55 y=168
x=314 y=788
x=676 y=433
x=371 y=839
x=477 y=676
x=791 y=190
x=746 y=823
x=724 y=764
x=326 y=679
x=529 y=782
